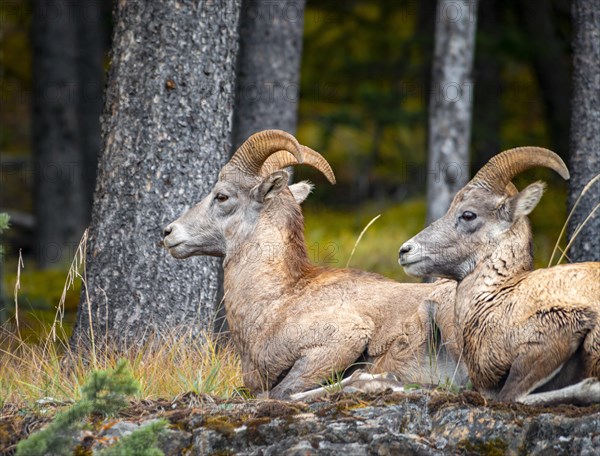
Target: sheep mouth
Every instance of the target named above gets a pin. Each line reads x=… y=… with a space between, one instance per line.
x=185 y=249
x=404 y=263
x=171 y=246
x=416 y=267
x=179 y=251
x=408 y=262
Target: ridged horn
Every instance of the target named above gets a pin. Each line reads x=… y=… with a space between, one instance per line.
x=282 y=159
x=511 y=189
x=251 y=155
x=500 y=170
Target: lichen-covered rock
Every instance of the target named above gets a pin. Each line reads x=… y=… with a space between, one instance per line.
x=424 y=424
x=418 y=424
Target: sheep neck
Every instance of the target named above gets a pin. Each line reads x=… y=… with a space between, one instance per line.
x=501 y=263
x=270 y=264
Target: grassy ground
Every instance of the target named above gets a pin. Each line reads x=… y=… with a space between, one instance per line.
x=165 y=368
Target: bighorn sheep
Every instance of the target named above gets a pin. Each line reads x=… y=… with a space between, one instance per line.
x=295 y=324
x=523 y=331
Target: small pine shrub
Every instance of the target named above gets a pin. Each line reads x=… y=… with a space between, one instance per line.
x=107 y=390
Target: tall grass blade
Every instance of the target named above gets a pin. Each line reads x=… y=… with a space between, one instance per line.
x=577 y=231
x=360 y=237
x=562 y=231
x=20 y=265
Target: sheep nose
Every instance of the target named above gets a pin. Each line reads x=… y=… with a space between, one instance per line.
x=168 y=230
x=405 y=249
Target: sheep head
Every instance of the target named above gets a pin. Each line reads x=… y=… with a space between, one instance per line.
x=485 y=212
x=251 y=182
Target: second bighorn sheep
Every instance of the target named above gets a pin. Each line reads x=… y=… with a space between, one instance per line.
x=523 y=331
x=293 y=323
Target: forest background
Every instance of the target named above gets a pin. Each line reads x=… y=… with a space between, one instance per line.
x=364 y=92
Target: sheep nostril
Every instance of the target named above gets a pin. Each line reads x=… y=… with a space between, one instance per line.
x=168 y=230
x=406 y=248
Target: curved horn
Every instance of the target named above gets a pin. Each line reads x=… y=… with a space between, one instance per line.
x=282 y=159
x=499 y=171
x=511 y=189
x=251 y=155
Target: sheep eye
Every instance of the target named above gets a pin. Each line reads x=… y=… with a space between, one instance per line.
x=220 y=197
x=468 y=216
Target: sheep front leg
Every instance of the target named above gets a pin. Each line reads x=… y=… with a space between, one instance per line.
x=591 y=348
x=312 y=368
x=252 y=378
x=548 y=340
x=535 y=366
x=586 y=392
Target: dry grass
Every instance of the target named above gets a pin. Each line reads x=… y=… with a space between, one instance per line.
x=165 y=368
x=165 y=365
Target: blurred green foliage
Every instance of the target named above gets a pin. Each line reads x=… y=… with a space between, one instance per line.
x=38 y=299
x=365 y=87
x=4 y=221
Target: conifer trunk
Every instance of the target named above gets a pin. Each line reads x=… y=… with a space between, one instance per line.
x=450 y=104
x=585 y=130
x=166 y=133
x=268 y=74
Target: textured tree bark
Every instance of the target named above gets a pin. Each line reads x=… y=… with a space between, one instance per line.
x=268 y=72
x=551 y=64
x=585 y=130
x=450 y=104
x=166 y=133
x=58 y=184
x=91 y=39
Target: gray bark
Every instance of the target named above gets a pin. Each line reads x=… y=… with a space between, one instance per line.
x=585 y=130
x=487 y=106
x=268 y=74
x=450 y=104
x=58 y=185
x=91 y=46
x=551 y=65
x=166 y=133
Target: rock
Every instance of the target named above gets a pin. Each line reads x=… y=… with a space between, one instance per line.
x=402 y=424
x=173 y=442
x=413 y=424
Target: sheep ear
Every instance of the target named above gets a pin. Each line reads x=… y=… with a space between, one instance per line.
x=270 y=186
x=301 y=190
x=525 y=201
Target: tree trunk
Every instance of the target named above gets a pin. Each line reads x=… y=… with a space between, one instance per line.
x=56 y=133
x=268 y=72
x=585 y=130
x=450 y=104
x=91 y=43
x=551 y=65
x=166 y=133
x=488 y=85
x=425 y=31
